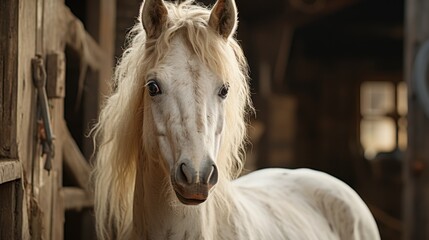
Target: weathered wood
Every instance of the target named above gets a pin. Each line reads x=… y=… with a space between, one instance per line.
x=9 y=171
x=44 y=27
x=47 y=217
x=416 y=209
x=76 y=198
x=78 y=39
x=74 y=160
x=10 y=205
x=101 y=25
x=55 y=70
x=29 y=34
x=8 y=73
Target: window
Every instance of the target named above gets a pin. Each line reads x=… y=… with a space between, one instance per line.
x=383 y=127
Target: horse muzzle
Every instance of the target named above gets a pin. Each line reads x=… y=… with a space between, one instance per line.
x=192 y=186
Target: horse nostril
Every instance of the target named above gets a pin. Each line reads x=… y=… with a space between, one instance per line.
x=185 y=173
x=212 y=176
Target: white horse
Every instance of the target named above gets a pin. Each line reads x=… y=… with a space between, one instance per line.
x=170 y=144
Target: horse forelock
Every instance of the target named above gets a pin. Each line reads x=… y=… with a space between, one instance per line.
x=119 y=135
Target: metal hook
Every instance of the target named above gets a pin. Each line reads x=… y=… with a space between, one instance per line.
x=39 y=79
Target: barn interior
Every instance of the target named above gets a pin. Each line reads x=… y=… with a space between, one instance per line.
x=328 y=88
x=328 y=85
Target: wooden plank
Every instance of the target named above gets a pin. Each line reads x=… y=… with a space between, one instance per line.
x=56 y=211
x=7 y=202
x=8 y=74
x=101 y=25
x=47 y=213
x=76 y=198
x=78 y=39
x=55 y=71
x=9 y=171
x=416 y=175
x=26 y=109
x=10 y=205
x=74 y=160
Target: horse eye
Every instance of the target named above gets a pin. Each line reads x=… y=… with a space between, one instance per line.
x=153 y=88
x=223 y=92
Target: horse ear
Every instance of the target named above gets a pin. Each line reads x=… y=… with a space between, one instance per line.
x=153 y=15
x=223 y=17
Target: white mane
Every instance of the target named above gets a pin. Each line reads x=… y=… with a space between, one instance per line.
x=119 y=131
x=134 y=197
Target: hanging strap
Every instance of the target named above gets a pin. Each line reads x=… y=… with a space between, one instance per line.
x=39 y=80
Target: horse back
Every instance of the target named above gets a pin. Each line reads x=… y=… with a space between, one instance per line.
x=308 y=204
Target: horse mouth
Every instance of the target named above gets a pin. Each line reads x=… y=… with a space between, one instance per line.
x=190 y=200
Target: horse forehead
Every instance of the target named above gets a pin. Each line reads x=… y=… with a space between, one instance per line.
x=186 y=69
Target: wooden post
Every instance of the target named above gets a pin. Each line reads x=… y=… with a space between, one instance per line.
x=416 y=167
x=8 y=72
x=101 y=23
x=10 y=204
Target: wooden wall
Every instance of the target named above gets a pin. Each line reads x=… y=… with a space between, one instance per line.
x=32 y=198
x=416 y=197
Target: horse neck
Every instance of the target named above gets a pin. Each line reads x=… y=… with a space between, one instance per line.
x=161 y=216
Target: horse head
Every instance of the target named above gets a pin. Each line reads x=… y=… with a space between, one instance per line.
x=184 y=111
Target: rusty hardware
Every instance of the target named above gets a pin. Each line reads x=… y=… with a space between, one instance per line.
x=39 y=80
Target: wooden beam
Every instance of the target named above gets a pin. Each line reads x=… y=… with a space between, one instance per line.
x=102 y=25
x=74 y=160
x=8 y=75
x=416 y=167
x=76 y=37
x=76 y=198
x=10 y=170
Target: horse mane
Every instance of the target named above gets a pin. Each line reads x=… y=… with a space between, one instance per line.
x=118 y=134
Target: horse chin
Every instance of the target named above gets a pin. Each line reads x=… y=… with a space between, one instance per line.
x=190 y=200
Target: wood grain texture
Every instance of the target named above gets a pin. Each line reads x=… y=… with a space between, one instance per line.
x=9 y=171
x=416 y=182
x=8 y=75
x=10 y=206
x=76 y=37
